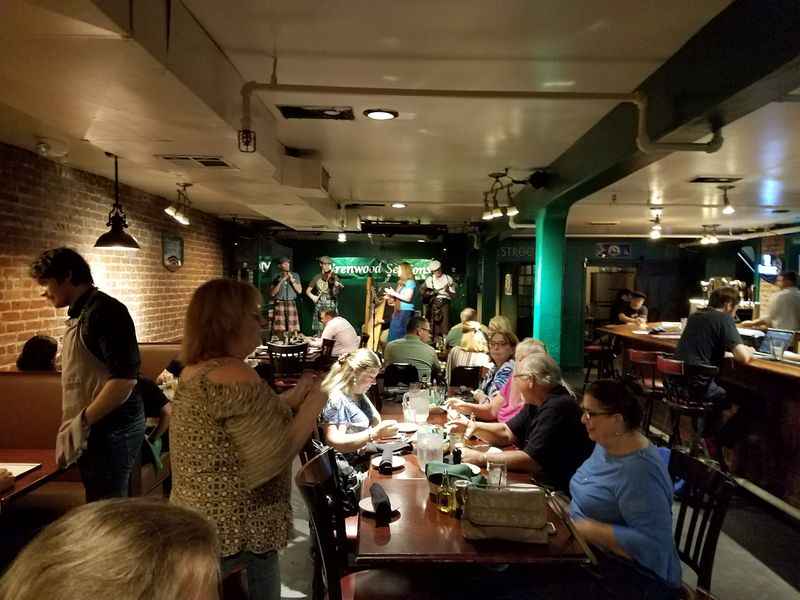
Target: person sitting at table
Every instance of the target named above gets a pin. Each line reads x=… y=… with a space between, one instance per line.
x=349 y=420
x=506 y=402
x=38 y=354
x=636 y=312
x=502 y=345
x=471 y=351
x=620 y=306
x=6 y=480
x=121 y=549
x=233 y=439
x=622 y=495
x=339 y=329
x=500 y=323
x=552 y=441
x=453 y=338
x=415 y=349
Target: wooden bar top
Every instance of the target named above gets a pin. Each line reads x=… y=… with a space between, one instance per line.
x=669 y=343
x=32 y=479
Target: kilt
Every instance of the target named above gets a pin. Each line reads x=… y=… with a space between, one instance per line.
x=324 y=302
x=284 y=317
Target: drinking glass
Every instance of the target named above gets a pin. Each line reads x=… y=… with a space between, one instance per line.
x=496 y=473
x=778 y=346
x=422 y=406
x=409 y=414
x=429 y=445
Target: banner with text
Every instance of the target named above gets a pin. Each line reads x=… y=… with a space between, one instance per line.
x=361 y=267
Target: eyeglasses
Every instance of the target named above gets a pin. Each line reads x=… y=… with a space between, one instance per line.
x=591 y=414
x=428 y=329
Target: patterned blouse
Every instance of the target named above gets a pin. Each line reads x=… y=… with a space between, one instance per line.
x=498 y=377
x=224 y=438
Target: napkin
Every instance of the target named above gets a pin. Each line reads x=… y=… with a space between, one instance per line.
x=435 y=472
x=401 y=447
x=380 y=504
x=385 y=466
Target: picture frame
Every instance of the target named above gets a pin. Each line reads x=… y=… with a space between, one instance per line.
x=172 y=252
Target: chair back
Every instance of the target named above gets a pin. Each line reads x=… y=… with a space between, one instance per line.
x=642 y=367
x=327 y=348
x=706 y=494
x=287 y=359
x=685 y=385
x=399 y=373
x=318 y=485
x=469 y=377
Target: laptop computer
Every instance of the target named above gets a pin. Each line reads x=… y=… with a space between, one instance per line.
x=764 y=350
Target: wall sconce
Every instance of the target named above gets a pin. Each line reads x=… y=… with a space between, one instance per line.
x=247 y=140
x=117 y=237
x=180 y=210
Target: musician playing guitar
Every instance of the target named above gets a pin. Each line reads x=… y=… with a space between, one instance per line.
x=438 y=290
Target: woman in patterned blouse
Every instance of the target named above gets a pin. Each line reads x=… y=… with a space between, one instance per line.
x=233 y=439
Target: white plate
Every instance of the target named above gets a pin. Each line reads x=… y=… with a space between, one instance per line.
x=397 y=462
x=476 y=470
x=365 y=504
x=407 y=427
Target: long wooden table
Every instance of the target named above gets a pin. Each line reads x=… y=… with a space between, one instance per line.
x=31 y=480
x=422 y=534
x=773 y=387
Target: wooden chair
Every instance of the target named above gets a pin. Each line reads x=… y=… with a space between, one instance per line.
x=317 y=484
x=599 y=355
x=469 y=377
x=287 y=364
x=325 y=358
x=705 y=498
x=642 y=367
x=394 y=381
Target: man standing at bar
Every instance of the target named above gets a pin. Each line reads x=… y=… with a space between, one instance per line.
x=437 y=292
x=102 y=425
x=285 y=289
x=784 y=307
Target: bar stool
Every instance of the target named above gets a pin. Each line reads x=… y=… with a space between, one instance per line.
x=685 y=400
x=641 y=366
x=598 y=355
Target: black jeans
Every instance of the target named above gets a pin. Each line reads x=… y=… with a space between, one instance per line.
x=113 y=447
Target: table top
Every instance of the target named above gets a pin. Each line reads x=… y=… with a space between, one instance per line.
x=420 y=533
x=33 y=479
x=669 y=343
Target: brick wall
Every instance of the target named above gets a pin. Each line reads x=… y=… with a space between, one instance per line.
x=44 y=204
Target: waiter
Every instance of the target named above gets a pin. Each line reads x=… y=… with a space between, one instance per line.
x=285 y=288
x=323 y=291
x=102 y=424
x=437 y=292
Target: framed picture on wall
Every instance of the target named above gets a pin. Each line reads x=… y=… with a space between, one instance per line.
x=172 y=251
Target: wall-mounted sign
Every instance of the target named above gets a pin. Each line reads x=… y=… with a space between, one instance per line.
x=612 y=250
x=361 y=267
x=172 y=251
x=516 y=250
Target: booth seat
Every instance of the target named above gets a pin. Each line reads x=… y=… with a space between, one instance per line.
x=156 y=356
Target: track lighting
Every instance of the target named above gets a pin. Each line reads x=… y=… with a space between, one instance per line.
x=728 y=207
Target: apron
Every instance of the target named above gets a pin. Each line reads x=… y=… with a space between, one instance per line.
x=83 y=375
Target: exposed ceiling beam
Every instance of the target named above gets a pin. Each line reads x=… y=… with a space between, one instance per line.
x=744 y=58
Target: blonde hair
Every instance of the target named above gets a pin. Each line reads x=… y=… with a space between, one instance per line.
x=468 y=314
x=473 y=340
x=529 y=346
x=508 y=336
x=404 y=272
x=500 y=323
x=120 y=549
x=347 y=369
x=215 y=315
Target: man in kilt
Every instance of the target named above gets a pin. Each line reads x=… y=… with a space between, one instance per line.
x=285 y=288
x=323 y=291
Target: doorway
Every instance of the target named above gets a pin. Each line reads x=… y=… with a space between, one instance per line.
x=601 y=287
x=515 y=291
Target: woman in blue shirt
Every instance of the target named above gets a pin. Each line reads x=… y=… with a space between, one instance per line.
x=404 y=305
x=622 y=497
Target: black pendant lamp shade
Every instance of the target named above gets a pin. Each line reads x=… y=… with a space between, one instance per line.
x=117 y=237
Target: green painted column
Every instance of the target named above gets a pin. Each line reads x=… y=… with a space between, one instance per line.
x=548 y=295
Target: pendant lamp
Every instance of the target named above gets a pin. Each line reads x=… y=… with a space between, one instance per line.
x=117 y=237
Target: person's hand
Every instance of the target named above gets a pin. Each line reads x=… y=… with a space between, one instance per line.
x=480 y=396
x=71 y=440
x=459 y=424
x=465 y=408
x=468 y=455
x=386 y=429
x=6 y=480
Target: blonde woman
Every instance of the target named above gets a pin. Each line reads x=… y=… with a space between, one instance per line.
x=349 y=420
x=232 y=438
x=472 y=351
x=507 y=401
x=119 y=549
x=500 y=323
x=403 y=294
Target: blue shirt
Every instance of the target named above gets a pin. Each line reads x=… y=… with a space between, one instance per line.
x=498 y=377
x=409 y=285
x=633 y=494
x=358 y=414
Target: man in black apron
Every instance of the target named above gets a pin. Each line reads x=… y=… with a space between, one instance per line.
x=102 y=423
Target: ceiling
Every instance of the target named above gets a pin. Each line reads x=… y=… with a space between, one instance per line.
x=70 y=72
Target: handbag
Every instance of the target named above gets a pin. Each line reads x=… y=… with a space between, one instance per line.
x=516 y=514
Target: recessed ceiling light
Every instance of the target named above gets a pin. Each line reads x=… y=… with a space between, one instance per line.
x=555 y=84
x=421 y=241
x=381 y=114
x=398 y=205
x=331 y=112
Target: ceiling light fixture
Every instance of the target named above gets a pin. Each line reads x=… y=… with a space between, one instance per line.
x=728 y=208
x=421 y=241
x=342 y=237
x=655 y=230
x=709 y=235
x=511 y=209
x=381 y=114
x=497 y=212
x=117 y=237
x=398 y=205
x=655 y=234
x=487 y=212
x=180 y=210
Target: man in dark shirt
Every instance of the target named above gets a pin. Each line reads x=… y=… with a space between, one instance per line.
x=620 y=306
x=102 y=421
x=552 y=443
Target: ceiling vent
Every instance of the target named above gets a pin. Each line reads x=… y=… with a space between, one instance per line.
x=336 y=113
x=196 y=161
x=779 y=211
x=604 y=223
x=715 y=179
x=401 y=227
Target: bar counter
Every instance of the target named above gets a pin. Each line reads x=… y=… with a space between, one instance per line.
x=775 y=389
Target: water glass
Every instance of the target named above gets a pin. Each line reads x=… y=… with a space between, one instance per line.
x=409 y=414
x=429 y=446
x=496 y=475
x=778 y=346
x=422 y=406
